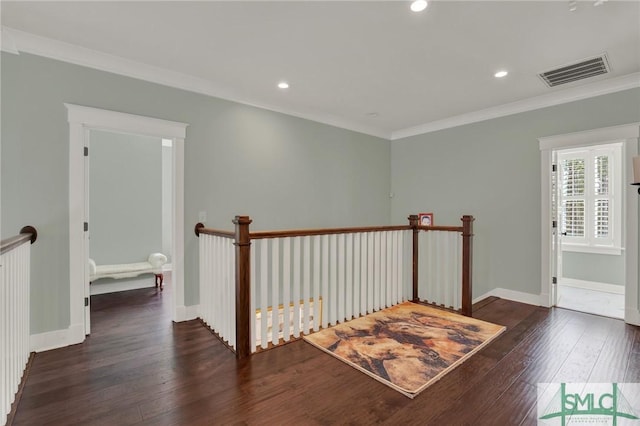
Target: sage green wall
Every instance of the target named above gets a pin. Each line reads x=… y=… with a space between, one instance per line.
x=125 y=197
x=491 y=170
x=283 y=171
x=601 y=268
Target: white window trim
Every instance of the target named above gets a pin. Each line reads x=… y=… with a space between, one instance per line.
x=589 y=243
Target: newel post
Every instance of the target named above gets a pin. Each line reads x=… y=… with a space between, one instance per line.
x=467 y=263
x=413 y=223
x=243 y=286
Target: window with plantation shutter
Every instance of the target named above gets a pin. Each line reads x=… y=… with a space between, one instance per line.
x=590 y=206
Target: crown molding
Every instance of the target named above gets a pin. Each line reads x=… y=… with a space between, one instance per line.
x=16 y=41
x=598 y=88
x=7 y=43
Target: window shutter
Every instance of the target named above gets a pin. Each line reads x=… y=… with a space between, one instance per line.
x=601 y=192
x=590 y=212
x=573 y=196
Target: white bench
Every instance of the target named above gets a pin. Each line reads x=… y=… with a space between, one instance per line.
x=153 y=265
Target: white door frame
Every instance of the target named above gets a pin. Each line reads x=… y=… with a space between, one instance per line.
x=629 y=134
x=81 y=119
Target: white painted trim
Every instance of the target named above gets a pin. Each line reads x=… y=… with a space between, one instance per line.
x=49 y=48
x=630 y=239
x=120 y=122
x=590 y=137
x=56 y=339
x=630 y=133
x=632 y=316
x=54 y=49
x=546 y=240
x=8 y=43
x=177 y=228
x=80 y=119
x=513 y=295
x=76 y=233
x=586 y=91
x=112 y=286
x=583 y=248
x=187 y=313
x=591 y=285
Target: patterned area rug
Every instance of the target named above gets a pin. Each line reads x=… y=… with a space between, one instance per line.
x=408 y=346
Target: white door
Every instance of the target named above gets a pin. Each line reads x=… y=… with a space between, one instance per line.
x=87 y=290
x=556 y=250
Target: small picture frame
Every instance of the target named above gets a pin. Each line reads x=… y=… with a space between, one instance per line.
x=425 y=219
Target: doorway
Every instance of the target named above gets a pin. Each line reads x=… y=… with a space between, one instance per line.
x=589 y=222
x=588 y=206
x=82 y=120
x=129 y=191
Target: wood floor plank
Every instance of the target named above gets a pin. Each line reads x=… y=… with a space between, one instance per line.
x=632 y=373
x=139 y=368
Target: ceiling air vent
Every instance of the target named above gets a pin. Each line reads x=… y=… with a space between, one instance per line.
x=579 y=71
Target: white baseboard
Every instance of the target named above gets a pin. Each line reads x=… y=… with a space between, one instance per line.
x=631 y=316
x=592 y=285
x=513 y=295
x=187 y=313
x=57 y=338
x=111 y=286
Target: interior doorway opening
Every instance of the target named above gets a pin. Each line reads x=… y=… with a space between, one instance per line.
x=588 y=205
x=130 y=203
x=556 y=265
x=82 y=120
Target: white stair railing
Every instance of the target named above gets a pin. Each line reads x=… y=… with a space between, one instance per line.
x=261 y=289
x=306 y=282
x=217 y=285
x=15 y=265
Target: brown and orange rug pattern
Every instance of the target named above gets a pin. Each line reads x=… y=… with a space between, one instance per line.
x=407 y=346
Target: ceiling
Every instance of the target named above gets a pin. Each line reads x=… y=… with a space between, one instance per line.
x=374 y=67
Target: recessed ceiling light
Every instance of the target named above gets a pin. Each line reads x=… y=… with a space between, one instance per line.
x=500 y=74
x=419 y=5
x=283 y=85
x=372 y=114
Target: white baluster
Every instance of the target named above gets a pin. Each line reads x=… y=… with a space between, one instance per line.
x=286 y=288
x=316 y=283
x=264 y=294
x=325 y=281
x=349 y=277
x=252 y=302
x=306 y=283
x=357 y=266
x=297 y=284
x=275 y=286
x=333 y=280
x=370 y=272
x=341 y=293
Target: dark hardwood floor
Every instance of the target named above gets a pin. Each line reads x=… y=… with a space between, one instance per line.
x=137 y=367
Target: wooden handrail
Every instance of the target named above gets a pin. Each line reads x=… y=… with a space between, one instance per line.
x=441 y=228
x=329 y=231
x=242 y=240
x=200 y=229
x=27 y=233
x=259 y=235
